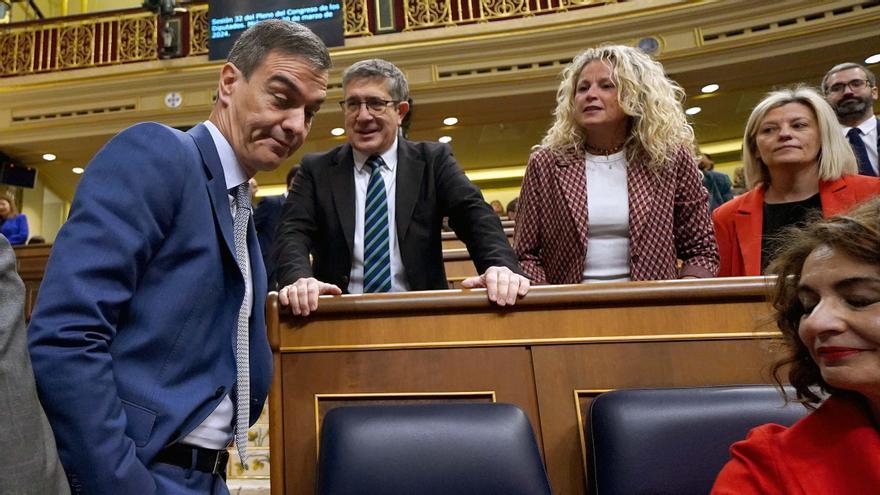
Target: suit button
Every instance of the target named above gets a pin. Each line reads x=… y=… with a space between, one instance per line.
x=219 y=392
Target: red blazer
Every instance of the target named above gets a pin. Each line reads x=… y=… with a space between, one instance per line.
x=668 y=219
x=834 y=450
x=739 y=222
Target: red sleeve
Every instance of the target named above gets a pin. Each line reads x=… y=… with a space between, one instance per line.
x=753 y=468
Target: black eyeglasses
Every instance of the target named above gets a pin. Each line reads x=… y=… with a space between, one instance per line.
x=375 y=106
x=855 y=84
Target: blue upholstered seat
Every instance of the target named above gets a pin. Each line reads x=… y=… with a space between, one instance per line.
x=674 y=440
x=429 y=449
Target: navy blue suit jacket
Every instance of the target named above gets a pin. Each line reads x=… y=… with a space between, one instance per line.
x=132 y=337
x=267 y=216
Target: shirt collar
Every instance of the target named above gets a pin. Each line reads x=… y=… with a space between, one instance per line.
x=867 y=127
x=232 y=171
x=389 y=157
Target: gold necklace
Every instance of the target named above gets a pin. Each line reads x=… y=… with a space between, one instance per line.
x=594 y=150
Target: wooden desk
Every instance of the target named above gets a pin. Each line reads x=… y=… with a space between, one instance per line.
x=559 y=348
x=31 y=265
x=450 y=240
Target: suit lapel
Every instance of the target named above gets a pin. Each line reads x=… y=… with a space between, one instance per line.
x=410 y=168
x=749 y=221
x=571 y=179
x=216 y=184
x=835 y=196
x=342 y=187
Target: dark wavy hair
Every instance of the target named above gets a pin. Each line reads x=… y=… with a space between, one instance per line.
x=856 y=234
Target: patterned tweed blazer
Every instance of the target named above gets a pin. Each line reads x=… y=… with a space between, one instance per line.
x=668 y=219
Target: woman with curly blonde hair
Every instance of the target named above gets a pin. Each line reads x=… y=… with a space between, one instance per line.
x=615 y=172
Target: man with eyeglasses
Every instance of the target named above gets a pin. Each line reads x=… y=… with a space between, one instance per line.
x=851 y=89
x=370 y=212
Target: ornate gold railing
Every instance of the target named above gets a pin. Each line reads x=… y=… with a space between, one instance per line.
x=133 y=36
x=74 y=44
x=420 y=14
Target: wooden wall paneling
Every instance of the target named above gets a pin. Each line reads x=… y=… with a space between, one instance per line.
x=310 y=380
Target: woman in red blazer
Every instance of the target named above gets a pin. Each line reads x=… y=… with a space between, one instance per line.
x=615 y=173
x=827 y=305
x=795 y=161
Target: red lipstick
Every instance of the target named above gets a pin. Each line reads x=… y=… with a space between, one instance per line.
x=836 y=353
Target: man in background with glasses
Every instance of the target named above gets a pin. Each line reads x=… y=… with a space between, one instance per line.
x=370 y=211
x=851 y=89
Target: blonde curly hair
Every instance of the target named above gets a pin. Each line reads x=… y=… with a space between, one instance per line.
x=658 y=125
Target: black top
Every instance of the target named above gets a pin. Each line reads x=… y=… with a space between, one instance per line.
x=780 y=215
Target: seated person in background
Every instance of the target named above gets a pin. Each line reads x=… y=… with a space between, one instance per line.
x=497 y=207
x=370 y=212
x=717 y=184
x=796 y=162
x=614 y=193
x=13 y=225
x=511 y=208
x=827 y=305
x=739 y=181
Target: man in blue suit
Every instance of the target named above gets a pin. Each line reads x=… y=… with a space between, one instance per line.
x=134 y=338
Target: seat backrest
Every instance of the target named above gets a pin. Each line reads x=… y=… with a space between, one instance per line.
x=674 y=440
x=429 y=449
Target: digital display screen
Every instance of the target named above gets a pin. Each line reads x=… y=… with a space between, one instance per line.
x=228 y=18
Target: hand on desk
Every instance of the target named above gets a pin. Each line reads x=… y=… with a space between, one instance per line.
x=501 y=283
x=302 y=295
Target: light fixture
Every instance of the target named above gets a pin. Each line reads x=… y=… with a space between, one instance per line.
x=77 y=170
x=445 y=139
x=693 y=110
x=709 y=88
x=450 y=121
x=49 y=157
x=873 y=59
x=337 y=131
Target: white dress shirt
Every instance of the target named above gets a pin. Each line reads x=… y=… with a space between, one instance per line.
x=215 y=432
x=869 y=137
x=607 y=257
x=361 y=181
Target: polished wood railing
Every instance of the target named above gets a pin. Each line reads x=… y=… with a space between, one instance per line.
x=551 y=354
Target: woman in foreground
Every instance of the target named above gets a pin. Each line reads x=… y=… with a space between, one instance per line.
x=827 y=305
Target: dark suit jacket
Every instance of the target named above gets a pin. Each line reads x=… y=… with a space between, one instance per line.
x=739 y=223
x=267 y=216
x=318 y=217
x=30 y=462
x=132 y=337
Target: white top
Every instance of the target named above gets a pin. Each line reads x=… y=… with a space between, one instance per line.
x=215 y=432
x=869 y=137
x=361 y=181
x=608 y=212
